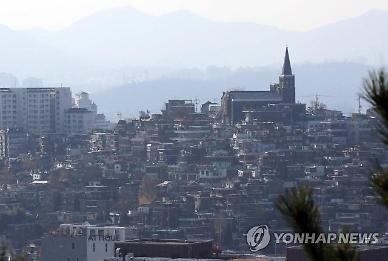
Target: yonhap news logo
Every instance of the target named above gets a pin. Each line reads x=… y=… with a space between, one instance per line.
x=259 y=237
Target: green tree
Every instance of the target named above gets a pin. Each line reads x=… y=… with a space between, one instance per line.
x=4 y=253
x=21 y=257
x=376 y=93
x=300 y=211
x=147 y=189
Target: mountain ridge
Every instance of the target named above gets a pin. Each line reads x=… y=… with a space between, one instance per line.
x=118 y=47
x=126 y=36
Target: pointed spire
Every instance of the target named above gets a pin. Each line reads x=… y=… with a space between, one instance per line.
x=286 y=65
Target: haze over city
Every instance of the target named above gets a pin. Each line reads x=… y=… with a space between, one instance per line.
x=298 y=15
x=106 y=47
x=163 y=130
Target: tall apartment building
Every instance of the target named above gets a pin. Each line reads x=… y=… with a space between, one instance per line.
x=36 y=110
x=84 y=117
x=13 y=141
x=82 y=100
x=79 y=121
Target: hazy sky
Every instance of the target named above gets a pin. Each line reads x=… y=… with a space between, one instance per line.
x=288 y=14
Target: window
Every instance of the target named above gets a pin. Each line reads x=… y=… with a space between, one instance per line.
x=106 y=247
x=73 y=245
x=94 y=247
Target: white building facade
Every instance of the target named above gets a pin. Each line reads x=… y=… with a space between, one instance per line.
x=82 y=100
x=79 y=121
x=81 y=243
x=36 y=110
x=92 y=120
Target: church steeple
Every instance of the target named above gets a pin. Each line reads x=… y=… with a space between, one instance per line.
x=286 y=65
x=287 y=81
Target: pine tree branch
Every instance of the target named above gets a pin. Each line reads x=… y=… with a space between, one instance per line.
x=376 y=93
x=300 y=211
x=298 y=207
x=380 y=184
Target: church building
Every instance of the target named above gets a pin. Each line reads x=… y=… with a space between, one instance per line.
x=237 y=106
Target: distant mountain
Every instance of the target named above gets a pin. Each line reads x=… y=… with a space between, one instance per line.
x=154 y=57
x=124 y=36
x=23 y=55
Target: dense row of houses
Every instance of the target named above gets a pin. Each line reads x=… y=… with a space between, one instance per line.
x=191 y=176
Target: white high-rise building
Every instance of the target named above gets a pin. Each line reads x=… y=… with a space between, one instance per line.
x=81 y=121
x=36 y=110
x=82 y=100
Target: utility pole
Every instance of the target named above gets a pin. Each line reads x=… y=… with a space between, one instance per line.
x=196 y=101
x=316 y=102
